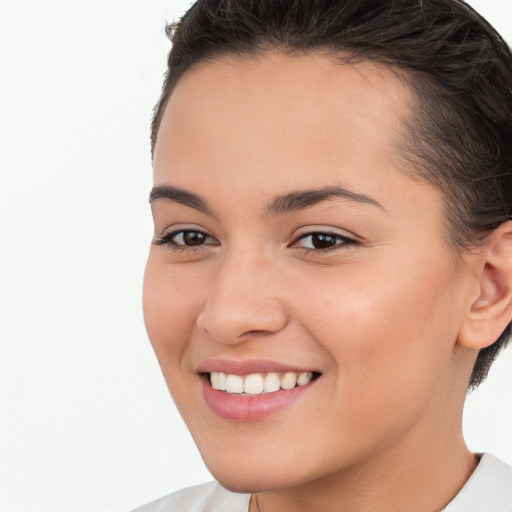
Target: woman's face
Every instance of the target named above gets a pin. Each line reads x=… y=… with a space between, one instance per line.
x=290 y=239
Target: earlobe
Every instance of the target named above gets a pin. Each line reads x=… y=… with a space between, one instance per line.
x=491 y=312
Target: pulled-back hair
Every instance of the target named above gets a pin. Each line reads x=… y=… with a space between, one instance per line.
x=458 y=135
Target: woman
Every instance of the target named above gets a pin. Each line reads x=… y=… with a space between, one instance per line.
x=332 y=263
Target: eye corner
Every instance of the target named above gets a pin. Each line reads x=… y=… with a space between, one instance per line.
x=158 y=240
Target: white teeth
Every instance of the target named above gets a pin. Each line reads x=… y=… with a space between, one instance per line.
x=257 y=383
x=218 y=380
x=289 y=380
x=304 y=378
x=253 y=384
x=234 y=384
x=272 y=383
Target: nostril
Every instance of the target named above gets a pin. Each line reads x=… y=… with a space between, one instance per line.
x=255 y=333
x=251 y=334
x=230 y=319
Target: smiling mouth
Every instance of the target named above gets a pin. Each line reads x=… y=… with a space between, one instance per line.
x=258 y=383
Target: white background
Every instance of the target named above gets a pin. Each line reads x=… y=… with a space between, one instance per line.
x=86 y=423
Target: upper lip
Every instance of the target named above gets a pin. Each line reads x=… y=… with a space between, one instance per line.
x=246 y=367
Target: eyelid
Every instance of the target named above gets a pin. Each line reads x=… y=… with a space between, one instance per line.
x=325 y=230
x=344 y=239
x=341 y=239
x=166 y=238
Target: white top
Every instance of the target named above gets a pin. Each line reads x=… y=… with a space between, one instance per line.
x=488 y=490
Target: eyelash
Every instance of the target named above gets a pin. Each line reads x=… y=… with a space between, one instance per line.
x=167 y=239
x=341 y=241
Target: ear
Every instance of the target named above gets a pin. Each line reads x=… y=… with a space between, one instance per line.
x=491 y=311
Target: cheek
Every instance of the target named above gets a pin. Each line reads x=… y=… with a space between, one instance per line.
x=390 y=338
x=170 y=311
x=390 y=356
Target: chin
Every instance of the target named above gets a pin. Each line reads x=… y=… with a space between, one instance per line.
x=252 y=475
x=255 y=482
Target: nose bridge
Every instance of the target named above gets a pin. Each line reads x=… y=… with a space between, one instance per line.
x=243 y=299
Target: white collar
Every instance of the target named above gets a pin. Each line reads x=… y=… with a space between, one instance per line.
x=489 y=489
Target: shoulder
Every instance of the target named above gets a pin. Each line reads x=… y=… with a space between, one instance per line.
x=489 y=488
x=209 y=497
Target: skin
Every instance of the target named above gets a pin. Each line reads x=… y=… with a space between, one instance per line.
x=380 y=318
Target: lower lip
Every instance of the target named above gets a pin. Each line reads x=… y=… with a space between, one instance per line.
x=250 y=408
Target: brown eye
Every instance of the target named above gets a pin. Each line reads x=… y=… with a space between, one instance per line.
x=323 y=241
x=190 y=238
x=186 y=238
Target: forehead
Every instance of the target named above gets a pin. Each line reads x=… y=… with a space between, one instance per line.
x=257 y=117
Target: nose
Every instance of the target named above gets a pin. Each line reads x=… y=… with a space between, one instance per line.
x=243 y=302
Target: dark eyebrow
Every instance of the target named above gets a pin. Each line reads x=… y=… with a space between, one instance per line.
x=305 y=198
x=181 y=196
